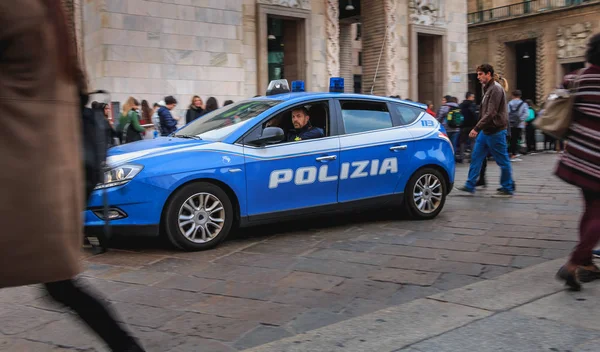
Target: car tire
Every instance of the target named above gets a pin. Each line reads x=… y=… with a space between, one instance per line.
x=432 y=187
x=198 y=217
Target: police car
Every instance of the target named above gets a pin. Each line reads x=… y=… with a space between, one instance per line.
x=237 y=166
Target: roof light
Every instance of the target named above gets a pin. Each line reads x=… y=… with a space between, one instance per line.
x=336 y=85
x=278 y=86
x=298 y=86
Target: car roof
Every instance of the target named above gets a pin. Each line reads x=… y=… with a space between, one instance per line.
x=299 y=96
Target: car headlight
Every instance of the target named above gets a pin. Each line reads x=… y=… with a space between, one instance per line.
x=119 y=176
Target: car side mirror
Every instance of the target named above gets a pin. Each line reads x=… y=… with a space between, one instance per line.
x=270 y=135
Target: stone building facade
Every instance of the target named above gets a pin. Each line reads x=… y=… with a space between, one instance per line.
x=533 y=44
x=230 y=49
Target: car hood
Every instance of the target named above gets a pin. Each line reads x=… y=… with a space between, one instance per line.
x=148 y=148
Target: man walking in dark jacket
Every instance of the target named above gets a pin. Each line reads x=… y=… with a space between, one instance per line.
x=468 y=109
x=491 y=133
x=168 y=124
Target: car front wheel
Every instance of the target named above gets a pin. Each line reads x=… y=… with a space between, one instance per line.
x=425 y=194
x=198 y=217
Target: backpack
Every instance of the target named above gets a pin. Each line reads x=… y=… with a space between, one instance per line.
x=513 y=115
x=455 y=118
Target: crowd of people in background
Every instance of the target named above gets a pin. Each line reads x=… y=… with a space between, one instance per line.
x=136 y=121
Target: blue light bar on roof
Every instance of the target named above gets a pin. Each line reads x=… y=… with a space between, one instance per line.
x=298 y=86
x=336 y=85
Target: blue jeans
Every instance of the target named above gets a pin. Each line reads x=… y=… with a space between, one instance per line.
x=494 y=144
x=454 y=139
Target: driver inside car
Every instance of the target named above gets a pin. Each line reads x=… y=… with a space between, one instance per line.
x=302 y=128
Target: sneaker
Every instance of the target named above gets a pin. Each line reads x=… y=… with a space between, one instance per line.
x=502 y=193
x=465 y=190
x=516 y=159
x=596 y=253
x=481 y=183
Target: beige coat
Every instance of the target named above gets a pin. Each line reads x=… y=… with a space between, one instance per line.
x=41 y=192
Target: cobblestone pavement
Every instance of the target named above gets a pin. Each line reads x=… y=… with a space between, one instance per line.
x=275 y=281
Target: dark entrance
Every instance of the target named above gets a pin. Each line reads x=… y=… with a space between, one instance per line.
x=526 y=69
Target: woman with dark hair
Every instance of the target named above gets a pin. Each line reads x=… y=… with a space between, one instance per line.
x=111 y=132
x=580 y=165
x=195 y=110
x=146 y=113
x=45 y=137
x=211 y=104
x=228 y=102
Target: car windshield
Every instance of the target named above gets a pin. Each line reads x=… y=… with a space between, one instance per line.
x=219 y=123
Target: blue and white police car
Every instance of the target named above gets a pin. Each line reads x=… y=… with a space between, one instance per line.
x=236 y=166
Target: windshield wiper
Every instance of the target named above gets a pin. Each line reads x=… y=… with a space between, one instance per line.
x=188 y=136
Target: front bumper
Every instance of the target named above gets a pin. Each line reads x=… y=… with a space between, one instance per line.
x=139 y=205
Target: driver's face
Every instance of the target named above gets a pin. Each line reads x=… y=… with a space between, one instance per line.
x=299 y=119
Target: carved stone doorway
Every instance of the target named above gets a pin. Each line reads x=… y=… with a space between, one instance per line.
x=525 y=69
x=428 y=59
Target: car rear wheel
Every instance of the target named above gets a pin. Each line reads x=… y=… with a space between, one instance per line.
x=425 y=194
x=198 y=217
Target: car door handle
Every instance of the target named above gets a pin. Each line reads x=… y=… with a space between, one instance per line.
x=399 y=147
x=327 y=158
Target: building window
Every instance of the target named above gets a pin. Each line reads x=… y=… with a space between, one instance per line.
x=358 y=31
x=360 y=58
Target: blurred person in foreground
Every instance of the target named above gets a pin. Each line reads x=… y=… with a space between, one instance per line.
x=580 y=166
x=40 y=143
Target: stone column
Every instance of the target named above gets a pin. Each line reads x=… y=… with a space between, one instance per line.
x=373 y=15
x=346 y=56
x=333 y=38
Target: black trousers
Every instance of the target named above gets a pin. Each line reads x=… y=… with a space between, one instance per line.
x=515 y=134
x=93 y=313
x=530 y=137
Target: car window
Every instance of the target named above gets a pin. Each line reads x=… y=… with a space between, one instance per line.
x=219 y=123
x=363 y=116
x=407 y=114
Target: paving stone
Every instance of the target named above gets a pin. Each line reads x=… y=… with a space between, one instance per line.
x=68 y=332
x=335 y=268
x=124 y=258
x=286 y=248
x=439 y=266
x=195 y=344
x=217 y=271
x=351 y=257
x=361 y=306
x=105 y=288
x=186 y=283
x=555 y=253
x=367 y=289
x=47 y=303
x=136 y=314
x=509 y=250
x=140 y=277
x=451 y=281
x=262 y=292
x=257 y=275
x=409 y=293
x=17 y=319
x=209 y=326
x=261 y=335
x=21 y=295
x=401 y=276
x=459 y=246
x=475 y=257
x=310 y=281
x=313 y=319
x=493 y=271
x=258 y=260
x=155 y=340
x=406 y=251
x=484 y=239
x=159 y=297
x=355 y=246
x=240 y=308
x=541 y=244
x=554 y=237
x=9 y=344
x=509 y=234
x=523 y=262
x=181 y=266
x=311 y=299
x=498 y=333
